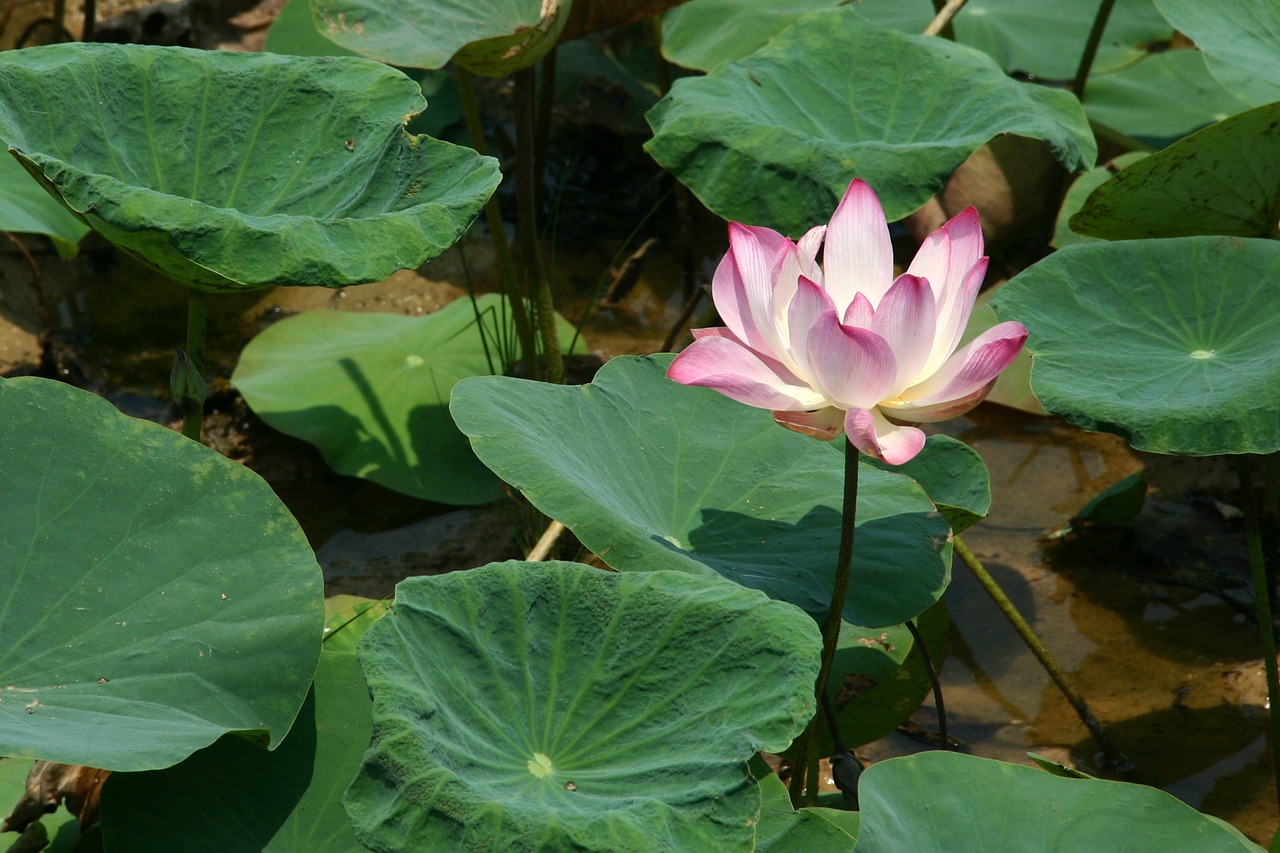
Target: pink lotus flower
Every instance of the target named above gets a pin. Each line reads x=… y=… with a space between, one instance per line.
x=845 y=345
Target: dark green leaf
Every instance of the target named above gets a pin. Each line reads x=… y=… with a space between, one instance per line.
x=775 y=139
x=1119 y=503
x=955 y=478
x=229 y=171
x=157 y=594
x=26 y=207
x=783 y=829
x=1080 y=189
x=1218 y=181
x=234 y=798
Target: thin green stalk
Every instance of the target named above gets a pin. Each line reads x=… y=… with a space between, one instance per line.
x=934 y=682
x=189 y=390
x=527 y=228
x=1113 y=756
x=1091 y=48
x=1262 y=602
x=493 y=215
x=830 y=627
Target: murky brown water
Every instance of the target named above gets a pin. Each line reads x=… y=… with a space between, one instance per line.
x=1155 y=661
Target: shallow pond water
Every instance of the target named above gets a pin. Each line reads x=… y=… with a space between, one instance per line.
x=1166 y=668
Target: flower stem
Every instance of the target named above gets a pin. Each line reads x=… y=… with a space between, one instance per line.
x=191 y=400
x=941 y=24
x=1091 y=48
x=1262 y=603
x=830 y=627
x=933 y=681
x=1113 y=756
x=493 y=215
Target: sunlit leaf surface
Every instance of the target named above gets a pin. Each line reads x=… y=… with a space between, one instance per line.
x=650 y=475
x=554 y=706
x=1190 y=326
x=963 y=804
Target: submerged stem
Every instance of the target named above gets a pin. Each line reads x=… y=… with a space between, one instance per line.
x=1262 y=603
x=493 y=216
x=830 y=627
x=1113 y=756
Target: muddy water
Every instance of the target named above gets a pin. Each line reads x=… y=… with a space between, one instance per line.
x=1166 y=668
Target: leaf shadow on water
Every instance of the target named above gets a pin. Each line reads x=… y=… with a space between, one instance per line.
x=896 y=571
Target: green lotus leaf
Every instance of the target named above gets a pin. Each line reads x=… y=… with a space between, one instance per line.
x=1119 y=503
x=1081 y=187
x=953 y=475
x=553 y=706
x=347 y=617
x=783 y=829
x=1190 y=325
x=960 y=803
x=1021 y=36
x=232 y=797
x=293 y=32
x=26 y=207
x=492 y=37
x=1239 y=40
x=775 y=139
x=650 y=475
x=371 y=391
x=232 y=171
x=157 y=594
x=1160 y=99
x=1217 y=181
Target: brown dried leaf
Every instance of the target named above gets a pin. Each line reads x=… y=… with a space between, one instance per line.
x=50 y=785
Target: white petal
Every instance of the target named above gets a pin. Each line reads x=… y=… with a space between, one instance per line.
x=857 y=257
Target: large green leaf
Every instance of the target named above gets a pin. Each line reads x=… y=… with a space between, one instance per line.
x=157 y=595
x=493 y=37
x=1217 y=181
x=229 y=171
x=234 y=798
x=293 y=32
x=371 y=391
x=25 y=206
x=1190 y=326
x=944 y=801
x=650 y=474
x=1161 y=98
x=553 y=706
x=1021 y=35
x=1240 y=40
x=774 y=140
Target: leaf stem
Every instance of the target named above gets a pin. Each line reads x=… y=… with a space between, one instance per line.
x=497 y=233
x=830 y=627
x=193 y=408
x=1262 y=603
x=933 y=681
x=1091 y=48
x=941 y=23
x=1113 y=756
x=527 y=229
